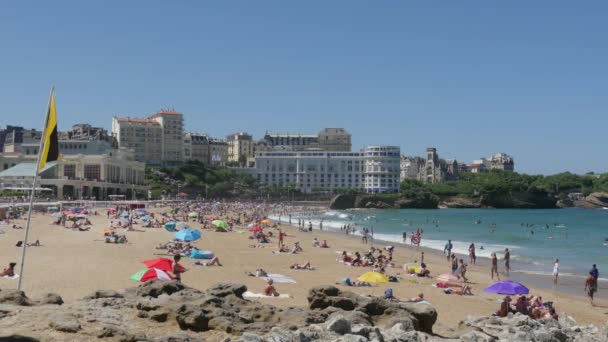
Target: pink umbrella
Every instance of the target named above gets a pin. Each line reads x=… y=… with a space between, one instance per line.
x=446 y=277
x=256 y=229
x=68 y=212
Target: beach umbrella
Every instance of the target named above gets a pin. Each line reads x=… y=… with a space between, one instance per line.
x=193 y=214
x=109 y=230
x=187 y=234
x=446 y=277
x=84 y=212
x=145 y=218
x=140 y=211
x=266 y=221
x=57 y=215
x=507 y=287
x=373 y=278
x=150 y=274
x=52 y=209
x=125 y=214
x=163 y=264
x=255 y=229
x=68 y=212
x=81 y=216
x=111 y=210
x=219 y=224
x=170 y=226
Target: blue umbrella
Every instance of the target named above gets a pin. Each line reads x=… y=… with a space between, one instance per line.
x=187 y=234
x=170 y=226
x=125 y=214
x=507 y=287
x=145 y=218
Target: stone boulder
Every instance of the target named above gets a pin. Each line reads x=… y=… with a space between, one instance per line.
x=51 y=298
x=595 y=200
x=156 y=288
x=103 y=294
x=15 y=297
x=65 y=323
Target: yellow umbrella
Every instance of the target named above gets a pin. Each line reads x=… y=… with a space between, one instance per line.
x=373 y=278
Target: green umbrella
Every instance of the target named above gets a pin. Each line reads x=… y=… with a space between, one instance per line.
x=220 y=224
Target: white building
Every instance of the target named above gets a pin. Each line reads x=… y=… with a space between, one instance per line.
x=81 y=176
x=157 y=140
x=374 y=169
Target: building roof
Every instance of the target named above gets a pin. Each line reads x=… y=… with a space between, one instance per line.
x=138 y=120
x=164 y=112
x=24 y=170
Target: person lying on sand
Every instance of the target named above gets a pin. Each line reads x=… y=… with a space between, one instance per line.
x=348 y=282
x=259 y=273
x=9 y=271
x=270 y=290
x=17 y=227
x=463 y=290
x=214 y=262
x=35 y=244
x=417 y=299
x=306 y=266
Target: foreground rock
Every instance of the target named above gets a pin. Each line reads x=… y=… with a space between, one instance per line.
x=172 y=312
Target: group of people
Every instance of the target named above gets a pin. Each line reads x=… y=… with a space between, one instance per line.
x=373 y=258
x=532 y=306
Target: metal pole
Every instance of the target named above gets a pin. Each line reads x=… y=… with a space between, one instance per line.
x=34 y=183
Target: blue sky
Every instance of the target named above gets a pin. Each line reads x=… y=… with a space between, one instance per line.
x=469 y=77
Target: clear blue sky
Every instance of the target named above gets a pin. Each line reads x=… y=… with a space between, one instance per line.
x=469 y=77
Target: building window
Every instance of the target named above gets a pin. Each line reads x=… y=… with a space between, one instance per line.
x=92 y=172
x=69 y=171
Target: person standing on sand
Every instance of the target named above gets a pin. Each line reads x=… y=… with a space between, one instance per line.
x=507 y=259
x=364 y=236
x=177 y=268
x=472 y=257
x=404 y=237
x=447 y=249
x=555 y=272
x=591 y=287
x=495 y=266
x=594 y=272
x=281 y=236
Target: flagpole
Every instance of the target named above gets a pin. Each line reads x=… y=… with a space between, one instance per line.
x=32 y=195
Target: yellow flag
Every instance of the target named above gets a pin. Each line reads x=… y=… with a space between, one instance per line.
x=50 y=149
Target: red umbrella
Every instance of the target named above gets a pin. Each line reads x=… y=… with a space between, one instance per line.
x=163 y=264
x=256 y=229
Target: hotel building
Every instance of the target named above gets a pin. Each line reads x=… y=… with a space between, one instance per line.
x=374 y=169
x=329 y=139
x=241 y=148
x=157 y=140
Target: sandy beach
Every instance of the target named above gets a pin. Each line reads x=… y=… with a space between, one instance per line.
x=74 y=263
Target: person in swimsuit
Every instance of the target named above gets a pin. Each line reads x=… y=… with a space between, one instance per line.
x=507 y=259
x=591 y=287
x=472 y=257
x=177 y=268
x=270 y=291
x=495 y=266
x=555 y=272
x=9 y=271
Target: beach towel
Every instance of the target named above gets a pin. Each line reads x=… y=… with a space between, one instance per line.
x=279 y=278
x=249 y=294
x=16 y=276
x=2 y=231
x=345 y=263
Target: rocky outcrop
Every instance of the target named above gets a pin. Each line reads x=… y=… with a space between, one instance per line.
x=146 y=314
x=341 y=202
x=459 y=202
x=596 y=200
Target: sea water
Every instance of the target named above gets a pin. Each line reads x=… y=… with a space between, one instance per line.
x=535 y=238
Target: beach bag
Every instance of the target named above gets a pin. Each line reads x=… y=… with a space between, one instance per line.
x=388 y=293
